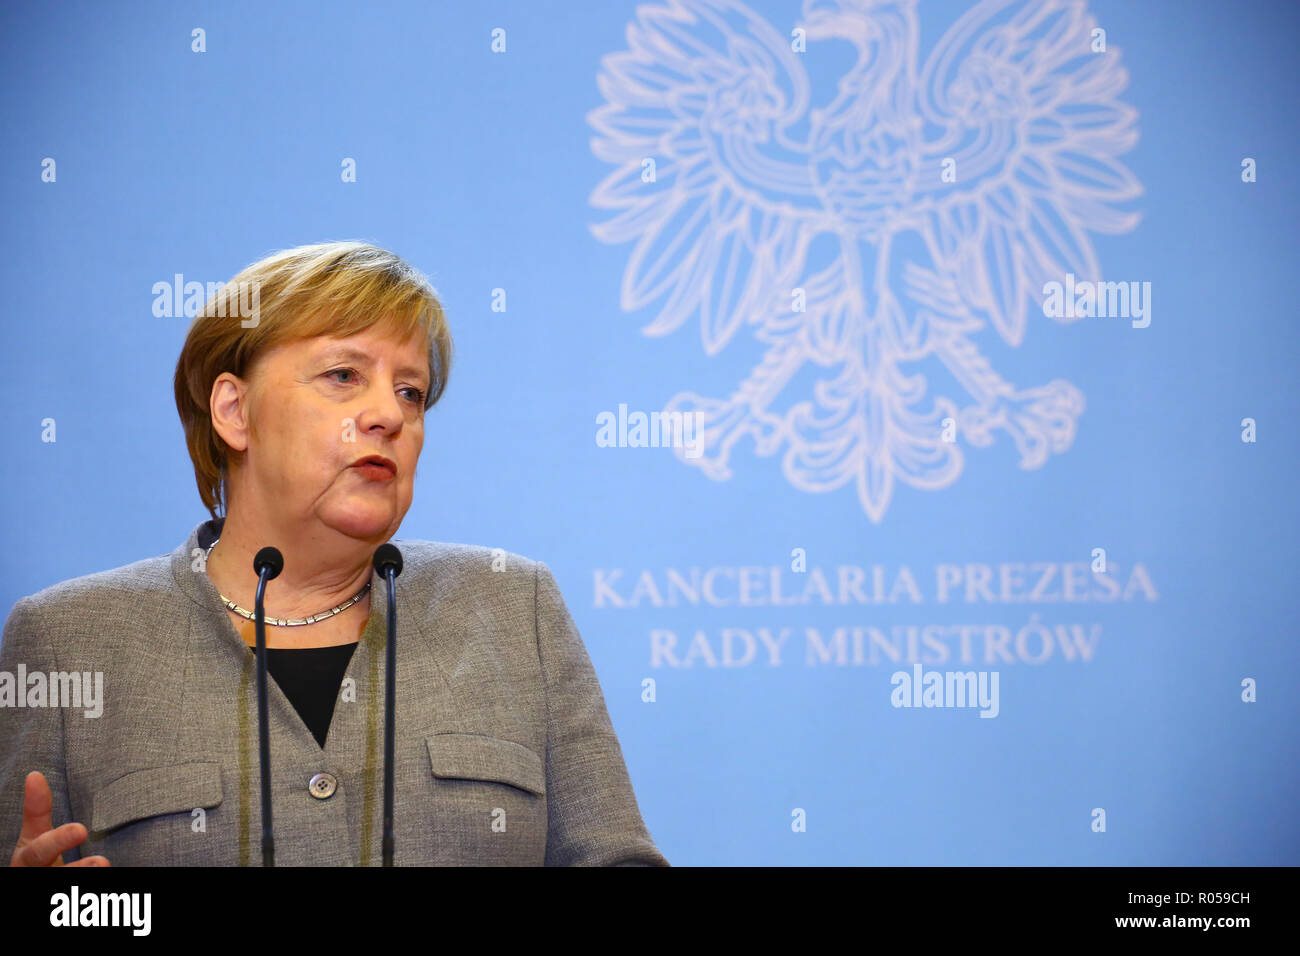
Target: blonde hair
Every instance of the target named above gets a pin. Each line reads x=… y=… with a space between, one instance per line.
x=333 y=288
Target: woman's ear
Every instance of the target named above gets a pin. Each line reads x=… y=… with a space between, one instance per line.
x=228 y=405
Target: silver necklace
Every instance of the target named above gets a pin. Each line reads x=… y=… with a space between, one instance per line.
x=286 y=621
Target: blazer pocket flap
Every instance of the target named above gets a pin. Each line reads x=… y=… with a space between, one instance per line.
x=477 y=757
x=154 y=791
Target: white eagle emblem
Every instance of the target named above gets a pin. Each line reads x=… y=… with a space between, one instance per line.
x=858 y=241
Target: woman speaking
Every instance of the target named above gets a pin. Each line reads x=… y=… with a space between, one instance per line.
x=302 y=387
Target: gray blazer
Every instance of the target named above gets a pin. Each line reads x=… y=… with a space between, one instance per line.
x=504 y=754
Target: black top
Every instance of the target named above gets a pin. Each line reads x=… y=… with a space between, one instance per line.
x=309 y=676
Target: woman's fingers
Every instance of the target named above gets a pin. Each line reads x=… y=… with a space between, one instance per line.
x=48 y=848
x=37 y=804
x=40 y=843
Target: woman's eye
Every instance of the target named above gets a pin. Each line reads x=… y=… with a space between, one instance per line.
x=413 y=395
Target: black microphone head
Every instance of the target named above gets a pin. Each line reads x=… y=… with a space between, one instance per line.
x=387 y=556
x=269 y=558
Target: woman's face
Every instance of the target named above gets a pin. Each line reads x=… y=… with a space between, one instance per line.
x=317 y=406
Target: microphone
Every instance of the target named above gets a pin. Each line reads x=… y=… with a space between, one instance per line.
x=268 y=564
x=388 y=564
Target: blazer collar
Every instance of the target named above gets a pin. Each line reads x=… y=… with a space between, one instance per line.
x=189 y=571
x=443 y=641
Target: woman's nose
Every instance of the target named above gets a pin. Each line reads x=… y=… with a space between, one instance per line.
x=382 y=406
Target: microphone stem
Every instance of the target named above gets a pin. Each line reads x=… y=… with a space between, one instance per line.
x=263 y=725
x=390 y=697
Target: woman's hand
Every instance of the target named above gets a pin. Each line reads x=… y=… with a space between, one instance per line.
x=40 y=844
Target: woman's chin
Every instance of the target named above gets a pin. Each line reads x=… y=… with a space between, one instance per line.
x=363 y=519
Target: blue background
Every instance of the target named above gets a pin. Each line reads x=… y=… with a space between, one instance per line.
x=478 y=169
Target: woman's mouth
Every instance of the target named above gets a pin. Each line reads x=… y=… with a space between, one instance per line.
x=376 y=468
